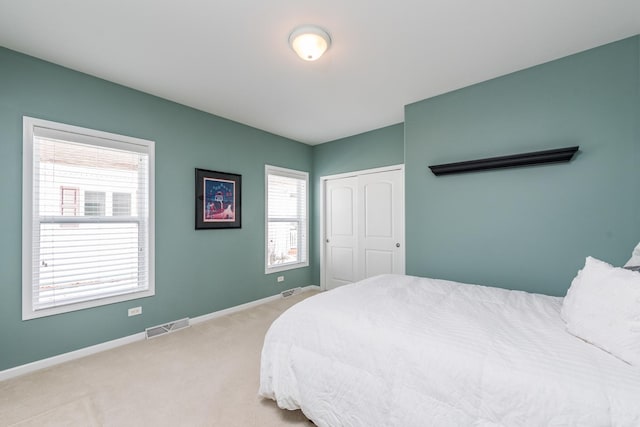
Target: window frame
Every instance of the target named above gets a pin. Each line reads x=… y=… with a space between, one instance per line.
x=88 y=137
x=304 y=240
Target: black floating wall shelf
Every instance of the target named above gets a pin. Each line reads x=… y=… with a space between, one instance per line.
x=526 y=159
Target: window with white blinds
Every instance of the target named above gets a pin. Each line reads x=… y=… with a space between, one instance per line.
x=88 y=224
x=287 y=225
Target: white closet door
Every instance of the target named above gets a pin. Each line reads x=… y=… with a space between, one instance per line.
x=364 y=227
x=381 y=224
x=340 y=232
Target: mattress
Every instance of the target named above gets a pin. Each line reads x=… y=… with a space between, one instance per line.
x=406 y=351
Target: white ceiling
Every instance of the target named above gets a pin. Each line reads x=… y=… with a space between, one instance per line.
x=231 y=58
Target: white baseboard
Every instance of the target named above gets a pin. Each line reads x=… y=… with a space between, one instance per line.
x=66 y=357
x=241 y=307
x=76 y=354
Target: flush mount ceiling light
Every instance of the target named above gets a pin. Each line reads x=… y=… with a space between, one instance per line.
x=309 y=42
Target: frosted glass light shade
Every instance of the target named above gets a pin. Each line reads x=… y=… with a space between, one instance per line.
x=309 y=42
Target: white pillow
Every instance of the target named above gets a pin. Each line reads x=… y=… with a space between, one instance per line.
x=635 y=257
x=602 y=307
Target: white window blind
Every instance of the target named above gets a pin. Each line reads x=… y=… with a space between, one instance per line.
x=88 y=223
x=286 y=222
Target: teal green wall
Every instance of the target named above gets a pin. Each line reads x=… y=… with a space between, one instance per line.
x=373 y=149
x=197 y=272
x=528 y=228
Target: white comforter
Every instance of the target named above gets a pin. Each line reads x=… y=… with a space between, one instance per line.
x=407 y=351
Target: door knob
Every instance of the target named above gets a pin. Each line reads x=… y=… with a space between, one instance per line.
x=327 y=240
x=397 y=245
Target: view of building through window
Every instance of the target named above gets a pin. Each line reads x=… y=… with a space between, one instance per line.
x=80 y=259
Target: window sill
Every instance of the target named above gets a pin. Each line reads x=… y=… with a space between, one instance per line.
x=278 y=269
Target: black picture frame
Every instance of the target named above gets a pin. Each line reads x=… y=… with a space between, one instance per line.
x=218 y=200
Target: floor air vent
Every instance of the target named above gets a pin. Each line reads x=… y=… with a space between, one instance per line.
x=156 y=331
x=290 y=292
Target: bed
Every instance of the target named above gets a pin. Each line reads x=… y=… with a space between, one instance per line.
x=406 y=351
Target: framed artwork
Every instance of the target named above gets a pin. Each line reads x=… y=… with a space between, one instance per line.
x=218 y=199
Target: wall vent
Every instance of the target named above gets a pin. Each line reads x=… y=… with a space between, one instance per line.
x=156 y=331
x=290 y=292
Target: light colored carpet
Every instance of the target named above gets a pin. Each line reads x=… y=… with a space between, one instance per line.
x=205 y=375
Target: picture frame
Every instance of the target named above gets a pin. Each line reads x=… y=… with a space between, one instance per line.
x=218 y=200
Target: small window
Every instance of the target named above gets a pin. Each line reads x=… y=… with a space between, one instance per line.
x=121 y=204
x=287 y=224
x=69 y=201
x=88 y=223
x=94 y=203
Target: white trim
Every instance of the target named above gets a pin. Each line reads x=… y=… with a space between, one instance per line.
x=323 y=180
x=108 y=345
x=362 y=172
x=27 y=213
x=67 y=357
x=248 y=305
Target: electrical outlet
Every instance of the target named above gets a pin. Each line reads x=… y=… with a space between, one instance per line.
x=280 y=278
x=134 y=311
